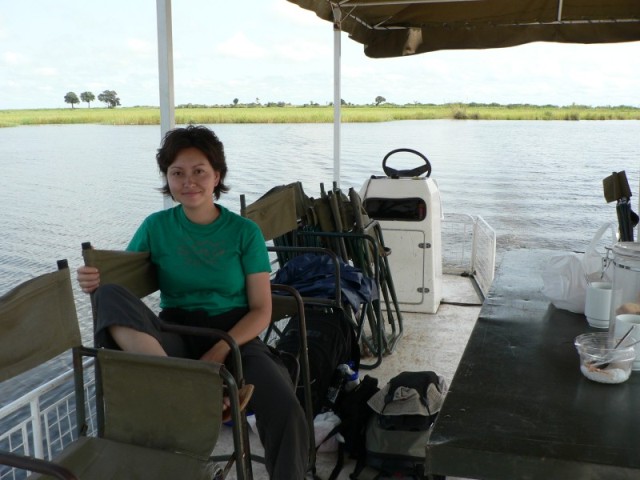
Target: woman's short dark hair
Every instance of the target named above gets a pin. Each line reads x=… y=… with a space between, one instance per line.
x=193 y=136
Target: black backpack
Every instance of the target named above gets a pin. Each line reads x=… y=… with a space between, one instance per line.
x=331 y=341
x=354 y=413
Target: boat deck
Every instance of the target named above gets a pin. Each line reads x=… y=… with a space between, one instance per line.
x=429 y=342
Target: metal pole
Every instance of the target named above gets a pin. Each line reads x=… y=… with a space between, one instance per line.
x=165 y=72
x=337 y=97
x=36 y=424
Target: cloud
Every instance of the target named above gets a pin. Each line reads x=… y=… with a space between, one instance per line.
x=14 y=58
x=46 y=71
x=3 y=27
x=301 y=51
x=295 y=14
x=239 y=46
x=140 y=46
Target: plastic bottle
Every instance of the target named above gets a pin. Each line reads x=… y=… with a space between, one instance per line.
x=351 y=378
x=336 y=385
x=624 y=317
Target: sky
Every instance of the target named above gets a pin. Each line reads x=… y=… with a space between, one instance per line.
x=274 y=51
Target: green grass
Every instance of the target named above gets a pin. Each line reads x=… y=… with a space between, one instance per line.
x=315 y=114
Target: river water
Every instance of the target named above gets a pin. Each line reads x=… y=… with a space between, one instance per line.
x=537 y=183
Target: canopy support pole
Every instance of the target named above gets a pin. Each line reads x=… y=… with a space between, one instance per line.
x=165 y=72
x=560 y=5
x=337 y=97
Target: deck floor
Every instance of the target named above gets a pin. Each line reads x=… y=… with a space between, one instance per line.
x=429 y=342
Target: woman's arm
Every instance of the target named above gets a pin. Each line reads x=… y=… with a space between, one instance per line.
x=88 y=278
x=253 y=323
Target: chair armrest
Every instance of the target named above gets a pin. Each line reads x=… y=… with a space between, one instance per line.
x=36 y=465
x=244 y=395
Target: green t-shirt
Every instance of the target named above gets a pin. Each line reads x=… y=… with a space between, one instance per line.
x=202 y=266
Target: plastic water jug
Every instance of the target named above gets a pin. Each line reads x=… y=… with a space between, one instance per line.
x=625 y=292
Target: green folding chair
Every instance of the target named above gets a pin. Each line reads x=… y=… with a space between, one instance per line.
x=157 y=417
x=134 y=271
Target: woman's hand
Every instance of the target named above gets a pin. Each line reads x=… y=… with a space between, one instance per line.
x=253 y=323
x=88 y=278
x=218 y=353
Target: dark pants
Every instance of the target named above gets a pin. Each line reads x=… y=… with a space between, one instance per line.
x=280 y=419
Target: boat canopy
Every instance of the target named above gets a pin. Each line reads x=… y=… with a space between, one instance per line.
x=394 y=28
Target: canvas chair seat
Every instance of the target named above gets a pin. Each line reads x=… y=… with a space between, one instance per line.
x=140 y=438
x=101 y=459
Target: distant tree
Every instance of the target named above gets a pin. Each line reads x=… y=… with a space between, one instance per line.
x=110 y=98
x=380 y=100
x=87 y=97
x=71 y=98
x=235 y=101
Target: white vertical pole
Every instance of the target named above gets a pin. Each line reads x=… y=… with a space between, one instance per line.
x=165 y=72
x=337 y=97
x=36 y=424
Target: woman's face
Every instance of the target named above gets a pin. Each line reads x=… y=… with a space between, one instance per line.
x=191 y=179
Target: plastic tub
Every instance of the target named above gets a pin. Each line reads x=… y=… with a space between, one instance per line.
x=600 y=362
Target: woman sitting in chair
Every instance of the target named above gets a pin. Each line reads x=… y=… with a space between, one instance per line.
x=213 y=271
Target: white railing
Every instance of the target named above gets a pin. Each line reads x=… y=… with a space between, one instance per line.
x=469 y=246
x=42 y=422
x=484 y=254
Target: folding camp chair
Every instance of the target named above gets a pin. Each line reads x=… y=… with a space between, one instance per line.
x=362 y=224
x=157 y=417
x=349 y=247
x=345 y=227
x=277 y=213
x=282 y=215
x=134 y=271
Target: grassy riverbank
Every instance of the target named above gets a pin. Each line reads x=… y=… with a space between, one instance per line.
x=314 y=114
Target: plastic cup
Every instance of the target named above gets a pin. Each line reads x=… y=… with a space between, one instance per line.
x=597 y=306
x=623 y=323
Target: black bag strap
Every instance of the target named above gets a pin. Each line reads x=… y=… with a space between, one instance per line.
x=339 y=462
x=362 y=393
x=360 y=464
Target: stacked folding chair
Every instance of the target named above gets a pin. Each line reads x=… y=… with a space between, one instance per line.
x=295 y=222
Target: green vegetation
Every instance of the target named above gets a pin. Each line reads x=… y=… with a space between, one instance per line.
x=71 y=98
x=278 y=113
x=87 y=97
x=109 y=98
